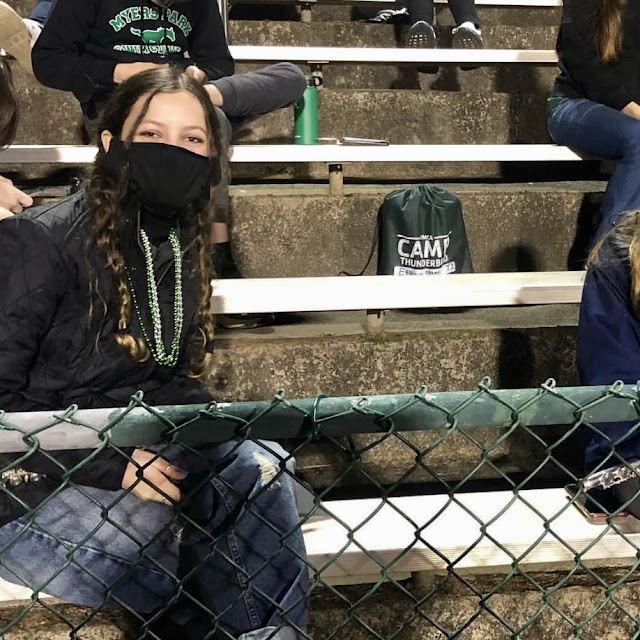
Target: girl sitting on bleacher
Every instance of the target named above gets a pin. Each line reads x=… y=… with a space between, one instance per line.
x=595 y=104
x=105 y=293
x=12 y=200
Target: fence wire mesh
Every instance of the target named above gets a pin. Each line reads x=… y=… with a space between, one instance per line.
x=425 y=515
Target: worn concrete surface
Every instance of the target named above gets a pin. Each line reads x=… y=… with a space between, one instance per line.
x=522 y=228
x=404 y=117
x=510 y=227
x=524 y=608
x=445 y=352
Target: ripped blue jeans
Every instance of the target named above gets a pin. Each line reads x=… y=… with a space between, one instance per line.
x=234 y=544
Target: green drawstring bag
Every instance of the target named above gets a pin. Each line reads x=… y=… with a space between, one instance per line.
x=422 y=233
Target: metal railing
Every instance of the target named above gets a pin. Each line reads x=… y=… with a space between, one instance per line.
x=420 y=492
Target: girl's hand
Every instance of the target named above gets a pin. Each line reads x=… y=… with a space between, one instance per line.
x=11 y=198
x=197 y=74
x=149 y=475
x=633 y=110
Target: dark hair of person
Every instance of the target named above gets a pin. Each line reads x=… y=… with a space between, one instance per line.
x=107 y=190
x=609 y=29
x=9 y=109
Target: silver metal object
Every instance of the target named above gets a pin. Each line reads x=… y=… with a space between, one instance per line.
x=613 y=475
x=15 y=477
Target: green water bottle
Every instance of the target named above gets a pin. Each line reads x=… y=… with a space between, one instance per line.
x=305 y=124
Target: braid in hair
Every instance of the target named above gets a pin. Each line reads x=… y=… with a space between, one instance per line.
x=609 y=29
x=105 y=197
x=201 y=357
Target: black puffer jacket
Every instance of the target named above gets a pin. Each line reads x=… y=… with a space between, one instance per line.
x=52 y=355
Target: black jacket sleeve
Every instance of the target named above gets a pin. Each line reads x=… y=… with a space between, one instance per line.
x=611 y=84
x=34 y=278
x=59 y=57
x=208 y=45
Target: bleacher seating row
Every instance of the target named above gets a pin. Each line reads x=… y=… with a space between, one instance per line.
x=431 y=534
x=520 y=528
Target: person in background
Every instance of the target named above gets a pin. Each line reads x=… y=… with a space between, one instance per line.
x=466 y=35
x=107 y=292
x=594 y=107
x=608 y=349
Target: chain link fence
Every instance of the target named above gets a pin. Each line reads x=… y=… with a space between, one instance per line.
x=425 y=515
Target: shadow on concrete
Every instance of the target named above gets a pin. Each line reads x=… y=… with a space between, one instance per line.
x=586 y=224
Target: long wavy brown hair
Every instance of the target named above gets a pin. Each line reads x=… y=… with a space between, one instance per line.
x=9 y=109
x=609 y=29
x=107 y=195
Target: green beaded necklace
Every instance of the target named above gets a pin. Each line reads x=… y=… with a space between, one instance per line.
x=156 y=345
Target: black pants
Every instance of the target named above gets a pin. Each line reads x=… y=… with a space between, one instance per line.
x=462 y=10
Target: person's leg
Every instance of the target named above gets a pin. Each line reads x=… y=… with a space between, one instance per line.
x=595 y=129
x=255 y=93
x=420 y=10
x=243 y=553
x=421 y=34
x=466 y=34
x=41 y=11
x=464 y=11
x=94 y=548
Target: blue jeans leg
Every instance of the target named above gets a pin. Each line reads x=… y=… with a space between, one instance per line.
x=241 y=554
x=85 y=549
x=593 y=128
x=41 y=11
x=246 y=554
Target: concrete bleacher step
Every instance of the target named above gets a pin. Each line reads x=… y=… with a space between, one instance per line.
x=300 y=230
x=280 y=231
x=377 y=76
x=332 y=353
x=434 y=535
x=519 y=15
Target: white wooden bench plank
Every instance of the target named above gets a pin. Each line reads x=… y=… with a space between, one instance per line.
x=388 y=55
x=395 y=292
x=326 y=153
x=427 y=533
x=444 y=525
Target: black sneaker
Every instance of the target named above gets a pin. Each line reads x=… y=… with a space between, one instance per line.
x=466 y=37
x=421 y=36
x=390 y=16
x=244 y=321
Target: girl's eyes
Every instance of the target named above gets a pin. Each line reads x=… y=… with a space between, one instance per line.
x=195 y=140
x=148 y=134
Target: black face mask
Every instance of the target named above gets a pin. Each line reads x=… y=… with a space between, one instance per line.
x=165 y=179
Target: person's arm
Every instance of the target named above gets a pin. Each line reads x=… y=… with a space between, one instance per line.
x=34 y=279
x=611 y=84
x=59 y=57
x=207 y=44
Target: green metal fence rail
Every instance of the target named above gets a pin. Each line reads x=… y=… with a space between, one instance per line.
x=429 y=515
